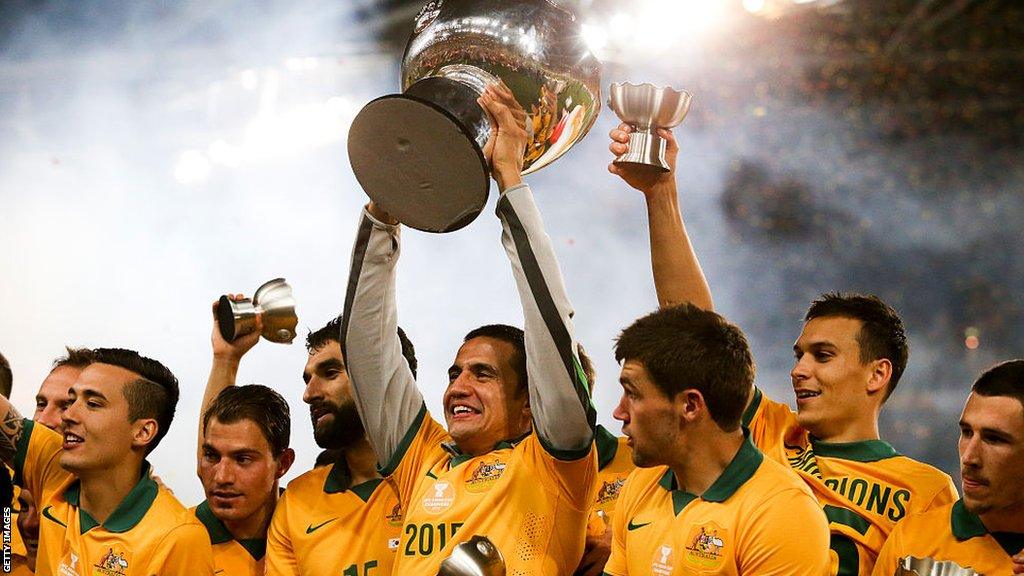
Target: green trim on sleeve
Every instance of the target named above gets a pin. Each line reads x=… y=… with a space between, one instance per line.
x=755 y=403
x=607 y=445
x=19 y=456
x=403 y=446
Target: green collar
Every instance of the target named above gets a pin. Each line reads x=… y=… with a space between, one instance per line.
x=607 y=444
x=755 y=403
x=128 y=513
x=861 y=451
x=742 y=467
x=219 y=533
x=459 y=457
x=965 y=524
x=339 y=480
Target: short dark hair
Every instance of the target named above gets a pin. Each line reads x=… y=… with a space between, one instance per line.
x=331 y=332
x=264 y=406
x=684 y=347
x=1006 y=379
x=75 y=358
x=882 y=334
x=153 y=395
x=6 y=377
x=513 y=336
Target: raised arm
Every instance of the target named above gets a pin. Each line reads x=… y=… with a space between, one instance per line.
x=559 y=400
x=382 y=383
x=678 y=277
x=226 y=358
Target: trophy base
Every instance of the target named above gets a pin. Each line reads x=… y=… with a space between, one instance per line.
x=419 y=163
x=645 y=149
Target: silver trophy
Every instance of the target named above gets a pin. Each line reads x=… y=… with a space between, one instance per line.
x=419 y=154
x=477 y=556
x=911 y=566
x=272 y=301
x=646 y=108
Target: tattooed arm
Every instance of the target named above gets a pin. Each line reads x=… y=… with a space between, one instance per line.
x=11 y=429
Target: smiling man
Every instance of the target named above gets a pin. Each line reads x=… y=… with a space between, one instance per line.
x=849 y=358
x=984 y=529
x=101 y=511
x=527 y=488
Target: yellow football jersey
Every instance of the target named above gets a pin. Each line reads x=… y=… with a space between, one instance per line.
x=949 y=534
x=614 y=463
x=756 y=518
x=231 y=557
x=324 y=527
x=532 y=505
x=149 y=533
x=864 y=487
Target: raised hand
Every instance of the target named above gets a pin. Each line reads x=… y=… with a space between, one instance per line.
x=234 y=350
x=644 y=178
x=507 y=141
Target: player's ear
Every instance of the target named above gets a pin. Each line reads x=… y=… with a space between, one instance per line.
x=881 y=374
x=284 y=462
x=689 y=405
x=144 y=432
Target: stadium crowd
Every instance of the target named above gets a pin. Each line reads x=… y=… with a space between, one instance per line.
x=711 y=476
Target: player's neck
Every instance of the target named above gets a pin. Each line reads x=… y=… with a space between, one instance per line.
x=706 y=458
x=102 y=493
x=257 y=523
x=1005 y=520
x=361 y=461
x=858 y=430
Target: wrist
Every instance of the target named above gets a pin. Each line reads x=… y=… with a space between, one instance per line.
x=507 y=178
x=227 y=359
x=661 y=191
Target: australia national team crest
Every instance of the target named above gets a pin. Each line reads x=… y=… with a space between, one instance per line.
x=609 y=491
x=705 y=546
x=484 y=475
x=439 y=497
x=111 y=564
x=394 y=517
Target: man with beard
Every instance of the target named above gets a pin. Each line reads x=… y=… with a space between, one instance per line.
x=342 y=518
x=984 y=529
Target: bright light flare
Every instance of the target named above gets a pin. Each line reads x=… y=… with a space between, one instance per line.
x=652 y=27
x=753 y=6
x=192 y=168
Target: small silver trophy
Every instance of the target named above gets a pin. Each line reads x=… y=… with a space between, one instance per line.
x=477 y=556
x=419 y=154
x=646 y=108
x=272 y=301
x=911 y=566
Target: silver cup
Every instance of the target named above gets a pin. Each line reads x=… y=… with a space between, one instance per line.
x=273 y=301
x=646 y=108
x=477 y=556
x=419 y=154
x=911 y=566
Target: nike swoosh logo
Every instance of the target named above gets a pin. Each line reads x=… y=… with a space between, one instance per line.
x=46 y=513
x=431 y=475
x=310 y=529
x=632 y=526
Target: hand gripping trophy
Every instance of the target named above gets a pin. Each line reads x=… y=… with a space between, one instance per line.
x=273 y=301
x=419 y=154
x=647 y=108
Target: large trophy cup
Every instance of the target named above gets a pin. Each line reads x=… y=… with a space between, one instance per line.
x=273 y=301
x=419 y=154
x=646 y=108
